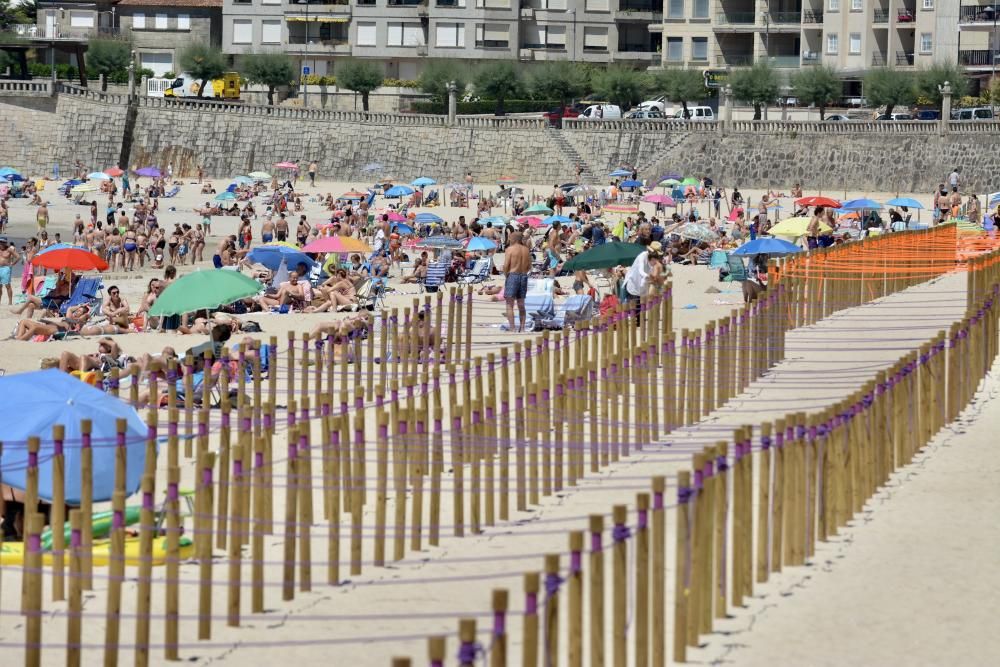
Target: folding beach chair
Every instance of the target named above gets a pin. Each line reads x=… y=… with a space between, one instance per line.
x=87 y=291
x=480 y=272
x=434 y=279
x=371 y=293
x=172 y=192
x=719 y=259
x=577 y=308
x=737 y=271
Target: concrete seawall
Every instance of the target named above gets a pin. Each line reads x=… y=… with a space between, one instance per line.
x=39 y=133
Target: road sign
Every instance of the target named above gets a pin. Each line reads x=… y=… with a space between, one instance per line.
x=305 y=70
x=716 y=78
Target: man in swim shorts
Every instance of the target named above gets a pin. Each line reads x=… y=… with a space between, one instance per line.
x=516 y=266
x=8 y=258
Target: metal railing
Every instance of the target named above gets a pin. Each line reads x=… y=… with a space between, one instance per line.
x=785 y=18
x=645 y=124
x=904 y=57
x=809 y=16
x=734 y=60
x=978 y=13
x=979 y=57
x=878 y=60
x=736 y=18
x=880 y=16
x=784 y=62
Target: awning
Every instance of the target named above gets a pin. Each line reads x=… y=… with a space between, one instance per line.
x=317 y=19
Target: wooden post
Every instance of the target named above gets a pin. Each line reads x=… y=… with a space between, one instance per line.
x=596 y=590
x=498 y=651
x=172 y=603
x=467 y=637
x=764 y=515
x=619 y=615
x=34 y=523
x=58 y=512
x=147 y=526
x=75 y=606
x=436 y=651
x=204 y=547
x=529 y=655
x=116 y=573
x=658 y=600
x=575 y=580
x=552 y=585
x=641 y=596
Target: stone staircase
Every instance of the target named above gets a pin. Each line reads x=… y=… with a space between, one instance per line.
x=587 y=174
x=664 y=159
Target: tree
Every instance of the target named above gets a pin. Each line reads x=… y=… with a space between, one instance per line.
x=203 y=63
x=559 y=80
x=271 y=70
x=107 y=56
x=435 y=77
x=361 y=76
x=818 y=85
x=621 y=85
x=889 y=87
x=756 y=85
x=681 y=86
x=498 y=80
x=929 y=79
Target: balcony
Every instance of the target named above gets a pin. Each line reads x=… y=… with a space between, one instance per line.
x=878 y=60
x=320 y=5
x=736 y=19
x=978 y=57
x=978 y=15
x=812 y=18
x=904 y=58
x=406 y=3
x=785 y=18
x=784 y=62
x=880 y=16
x=734 y=60
x=640 y=10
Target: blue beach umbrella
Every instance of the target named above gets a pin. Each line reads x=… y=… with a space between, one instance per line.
x=427 y=219
x=14 y=178
x=228 y=195
x=621 y=172
x=495 y=219
x=35 y=402
x=479 y=243
x=98 y=176
x=766 y=246
x=402 y=228
x=860 y=204
x=548 y=220
x=422 y=181
x=440 y=242
x=7 y=171
x=271 y=254
x=631 y=184
x=907 y=202
x=399 y=191
x=243 y=180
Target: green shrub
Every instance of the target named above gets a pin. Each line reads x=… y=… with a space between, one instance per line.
x=487 y=106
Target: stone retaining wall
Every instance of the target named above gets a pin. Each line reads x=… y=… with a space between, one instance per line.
x=866 y=156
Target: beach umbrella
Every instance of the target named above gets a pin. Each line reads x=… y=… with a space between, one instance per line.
x=825 y=202
x=14 y=178
x=506 y=179
x=204 y=289
x=907 y=202
x=539 y=208
x=671 y=175
x=423 y=181
x=479 y=243
x=353 y=195
x=440 y=242
x=98 y=176
x=663 y=200
x=620 y=172
x=605 y=256
x=228 y=195
x=259 y=175
x=151 y=172
x=795 y=227
x=84 y=187
x=631 y=184
x=372 y=166
x=272 y=254
x=860 y=204
x=670 y=181
x=35 y=402
x=621 y=208
x=286 y=165
x=7 y=171
x=403 y=228
x=530 y=220
x=582 y=189
x=555 y=218
x=766 y=246
x=696 y=232
x=690 y=181
x=337 y=244
x=72 y=257
x=496 y=220
x=399 y=191
x=427 y=219
x=115 y=171
x=395 y=216
x=243 y=180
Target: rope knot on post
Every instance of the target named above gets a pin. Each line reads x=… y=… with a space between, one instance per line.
x=684 y=494
x=765 y=442
x=552 y=583
x=620 y=533
x=468 y=652
x=720 y=464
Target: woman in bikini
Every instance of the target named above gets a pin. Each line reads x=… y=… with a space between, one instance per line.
x=115 y=249
x=128 y=261
x=175 y=240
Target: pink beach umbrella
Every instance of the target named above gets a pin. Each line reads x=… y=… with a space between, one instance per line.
x=663 y=200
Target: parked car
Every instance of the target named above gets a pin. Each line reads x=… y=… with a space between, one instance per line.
x=972 y=113
x=657 y=103
x=837 y=118
x=555 y=116
x=855 y=102
x=696 y=113
x=895 y=116
x=927 y=114
x=643 y=114
x=601 y=112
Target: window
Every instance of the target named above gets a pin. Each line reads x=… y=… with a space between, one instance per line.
x=81 y=20
x=493 y=4
x=832 y=43
x=854 y=44
x=492 y=35
x=138 y=21
x=833 y=5
x=675 y=49
x=926 y=42
x=242 y=31
x=595 y=39
x=270 y=2
x=857 y=5
x=700 y=9
x=555 y=37
x=699 y=48
x=395 y=34
x=413 y=34
x=270 y=32
x=161 y=21
x=596 y=6
x=545 y=37
x=928 y=4
x=675 y=9
x=366 y=34
x=183 y=21
x=449 y=34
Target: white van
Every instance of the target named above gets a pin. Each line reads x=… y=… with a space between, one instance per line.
x=696 y=113
x=601 y=112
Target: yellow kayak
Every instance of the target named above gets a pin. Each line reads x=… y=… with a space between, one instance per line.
x=12 y=553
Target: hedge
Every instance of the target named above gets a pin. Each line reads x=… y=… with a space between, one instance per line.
x=487 y=106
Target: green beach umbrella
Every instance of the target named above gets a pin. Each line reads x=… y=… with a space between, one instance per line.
x=538 y=208
x=204 y=289
x=613 y=253
x=690 y=181
x=670 y=181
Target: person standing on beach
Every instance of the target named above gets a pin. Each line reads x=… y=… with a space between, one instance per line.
x=8 y=259
x=516 y=265
x=312 y=173
x=42 y=217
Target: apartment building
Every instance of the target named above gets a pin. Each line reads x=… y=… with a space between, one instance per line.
x=404 y=34
x=849 y=35
x=161 y=29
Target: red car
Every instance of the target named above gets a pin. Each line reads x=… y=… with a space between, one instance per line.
x=555 y=116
